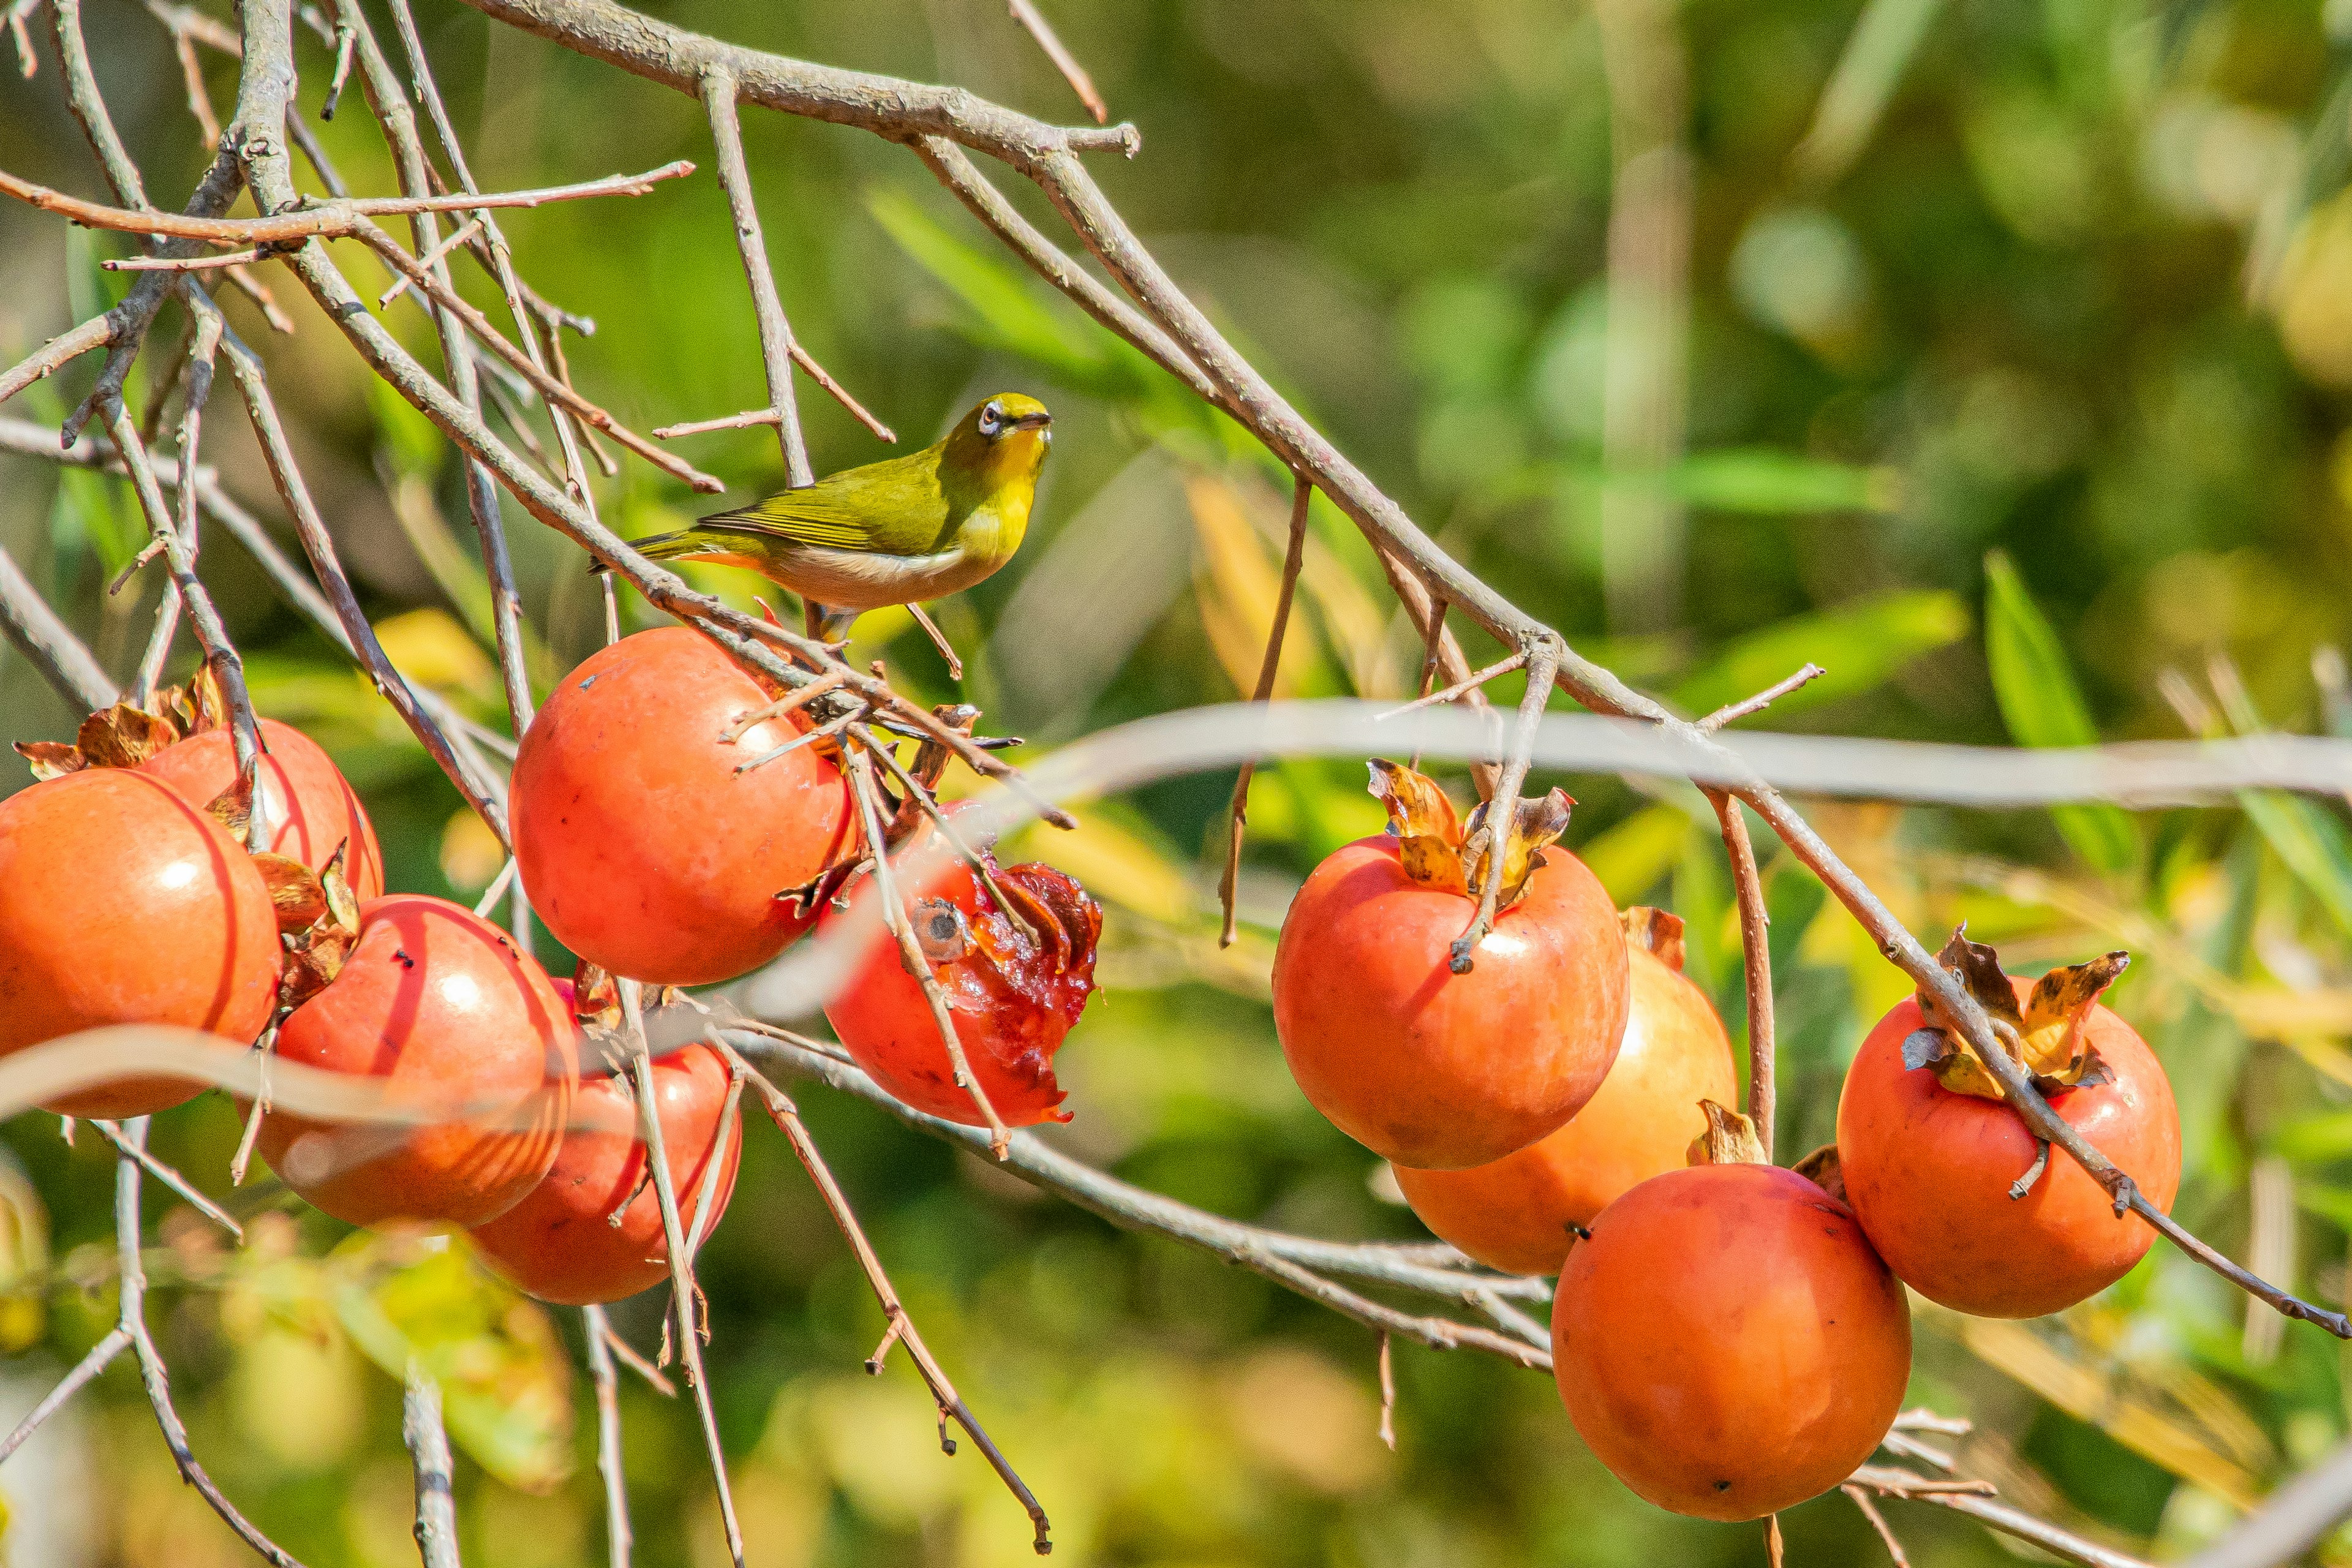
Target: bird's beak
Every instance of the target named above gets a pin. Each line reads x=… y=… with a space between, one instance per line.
x=1037 y=421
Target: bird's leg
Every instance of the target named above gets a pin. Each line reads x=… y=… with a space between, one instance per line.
x=939 y=641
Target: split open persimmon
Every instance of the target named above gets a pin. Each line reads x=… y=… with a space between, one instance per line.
x=591 y=1229
x=1929 y=1168
x=1430 y=1069
x=1728 y=1343
x=459 y=1029
x=312 y=806
x=122 y=902
x=641 y=846
x=1013 y=993
x=1516 y=1213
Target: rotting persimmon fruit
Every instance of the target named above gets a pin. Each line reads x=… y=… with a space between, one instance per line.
x=122 y=903
x=1430 y=1069
x=1728 y=1343
x=562 y=1242
x=434 y=1005
x=1930 y=1151
x=312 y=807
x=1518 y=1214
x=1013 y=993
x=641 y=845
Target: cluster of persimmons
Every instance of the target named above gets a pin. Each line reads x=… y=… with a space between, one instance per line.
x=1729 y=1337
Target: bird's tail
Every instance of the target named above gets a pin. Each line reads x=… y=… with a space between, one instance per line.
x=680 y=545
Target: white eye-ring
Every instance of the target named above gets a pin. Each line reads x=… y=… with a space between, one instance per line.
x=992 y=419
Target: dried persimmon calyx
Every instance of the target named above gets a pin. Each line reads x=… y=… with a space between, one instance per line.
x=124 y=735
x=1439 y=849
x=318 y=919
x=1656 y=932
x=2051 y=1043
x=1729 y=1139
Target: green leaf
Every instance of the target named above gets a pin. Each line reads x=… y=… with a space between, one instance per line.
x=1759 y=480
x=2313 y=844
x=2042 y=707
x=1859 y=646
x=505 y=1379
x=1007 y=314
x=2315 y=1139
x=414 y=443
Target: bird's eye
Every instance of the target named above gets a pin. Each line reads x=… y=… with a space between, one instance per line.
x=992 y=419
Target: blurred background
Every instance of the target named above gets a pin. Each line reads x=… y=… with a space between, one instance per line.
x=1991 y=353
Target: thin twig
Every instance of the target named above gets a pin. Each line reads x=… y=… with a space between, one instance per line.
x=1869 y=1509
x=101 y=1355
x=719 y=91
x=1025 y=12
x=910 y=951
x=618 y=1537
x=428 y=1448
x=938 y=640
x=1388 y=1396
x=684 y=1292
x=112 y=1132
x=1755 y=949
x=1733 y=712
x=1294 y=557
x=1468 y=683
x=787 y=1118
x=1502 y=811
x=431 y=258
x=132 y=1322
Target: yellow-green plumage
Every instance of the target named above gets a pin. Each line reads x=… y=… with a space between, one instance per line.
x=893 y=532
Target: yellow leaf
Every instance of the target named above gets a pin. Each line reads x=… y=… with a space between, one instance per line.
x=431 y=649
x=1239 y=580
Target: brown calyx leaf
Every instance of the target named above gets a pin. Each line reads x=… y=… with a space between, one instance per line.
x=315 y=952
x=2050 y=1043
x=1423 y=821
x=233 y=807
x=1823 y=1169
x=1655 y=933
x=198 y=706
x=596 y=997
x=295 y=891
x=50 y=759
x=1729 y=1139
x=1535 y=823
x=123 y=736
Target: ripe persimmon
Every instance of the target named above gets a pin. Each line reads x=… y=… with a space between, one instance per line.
x=562 y=1243
x=122 y=903
x=439 y=1008
x=313 y=807
x=641 y=846
x=1727 y=1341
x=1519 y=1213
x=1929 y=1168
x=1430 y=1069
x=1012 y=998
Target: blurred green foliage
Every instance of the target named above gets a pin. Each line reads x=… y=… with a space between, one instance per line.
x=2028 y=319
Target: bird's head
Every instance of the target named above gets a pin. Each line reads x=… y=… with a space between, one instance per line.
x=1002 y=441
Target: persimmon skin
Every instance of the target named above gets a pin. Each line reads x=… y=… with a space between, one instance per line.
x=1433 y=1069
x=1928 y=1173
x=1514 y=1214
x=122 y=903
x=1009 y=1029
x=1727 y=1343
x=437 y=1006
x=640 y=847
x=317 y=806
x=558 y=1243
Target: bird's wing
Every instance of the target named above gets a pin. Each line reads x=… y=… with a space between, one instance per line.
x=893 y=507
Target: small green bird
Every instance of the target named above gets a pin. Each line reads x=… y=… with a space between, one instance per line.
x=893 y=532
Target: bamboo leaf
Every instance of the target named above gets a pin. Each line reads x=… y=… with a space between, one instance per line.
x=2041 y=705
